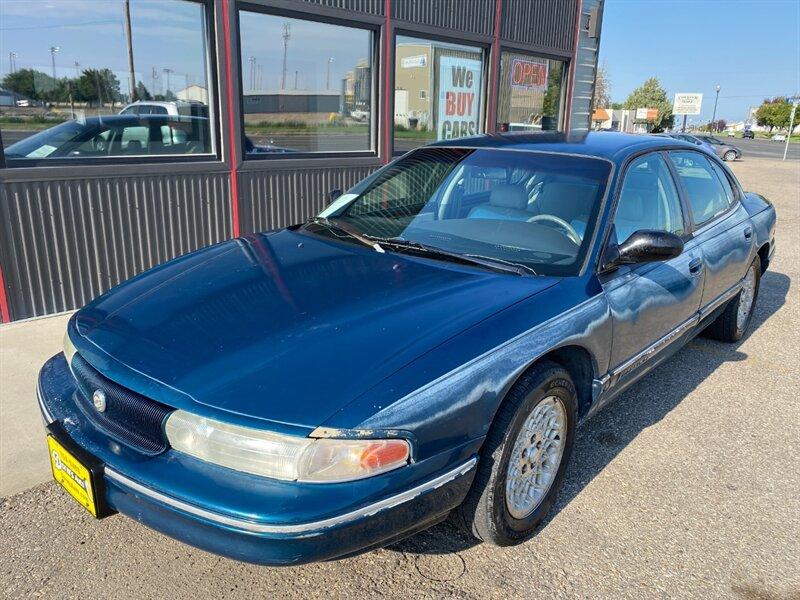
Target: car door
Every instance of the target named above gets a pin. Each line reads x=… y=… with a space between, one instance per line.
x=721 y=225
x=651 y=304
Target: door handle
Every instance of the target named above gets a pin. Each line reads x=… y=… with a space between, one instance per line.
x=695 y=266
x=748 y=232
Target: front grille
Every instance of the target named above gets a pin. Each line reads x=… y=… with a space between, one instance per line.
x=128 y=418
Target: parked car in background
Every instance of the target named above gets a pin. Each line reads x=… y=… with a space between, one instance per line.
x=174 y=108
x=730 y=133
x=748 y=134
x=427 y=344
x=114 y=136
x=778 y=137
x=717 y=146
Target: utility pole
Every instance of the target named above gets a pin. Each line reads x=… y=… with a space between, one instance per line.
x=714 y=116
x=53 y=51
x=129 y=39
x=77 y=69
x=286 y=35
x=153 y=78
x=795 y=100
x=683 y=129
x=252 y=61
x=12 y=62
x=295 y=78
x=167 y=72
x=328 y=75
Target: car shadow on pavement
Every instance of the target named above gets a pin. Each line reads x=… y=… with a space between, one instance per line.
x=603 y=437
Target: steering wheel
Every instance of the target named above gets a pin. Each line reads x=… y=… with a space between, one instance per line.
x=569 y=229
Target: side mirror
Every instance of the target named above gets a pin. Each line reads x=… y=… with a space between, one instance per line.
x=643 y=246
x=334 y=194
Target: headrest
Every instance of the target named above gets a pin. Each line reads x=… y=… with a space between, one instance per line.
x=507 y=195
x=568 y=199
x=631 y=205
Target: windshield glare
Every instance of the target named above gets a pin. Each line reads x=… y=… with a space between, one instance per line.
x=529 y=208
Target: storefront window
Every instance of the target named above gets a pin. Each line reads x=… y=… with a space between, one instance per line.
x=307 y=87
x=438 y=92
x=76 y=86
x=529 y=93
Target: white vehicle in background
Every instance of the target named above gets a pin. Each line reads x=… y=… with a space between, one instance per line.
x=778 y=137
x=170 y=108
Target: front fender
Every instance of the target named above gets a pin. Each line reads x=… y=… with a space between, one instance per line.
x=458 y=403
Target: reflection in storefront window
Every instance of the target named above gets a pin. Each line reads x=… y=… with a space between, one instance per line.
x=529 y=93
x=81 y=81
x=306 y=86
x=438 y=91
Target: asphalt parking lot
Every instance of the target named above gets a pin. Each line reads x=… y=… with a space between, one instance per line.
x=688 y=486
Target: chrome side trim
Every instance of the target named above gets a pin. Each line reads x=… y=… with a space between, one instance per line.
x=46 y=416
x=301 y=528
x=653 y=349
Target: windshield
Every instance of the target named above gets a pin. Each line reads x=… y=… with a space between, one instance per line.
x=45 y=142
x=526 y=208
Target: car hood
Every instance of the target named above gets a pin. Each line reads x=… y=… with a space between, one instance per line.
x=287 y=326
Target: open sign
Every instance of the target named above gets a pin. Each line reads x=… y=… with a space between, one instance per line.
x=529 y=74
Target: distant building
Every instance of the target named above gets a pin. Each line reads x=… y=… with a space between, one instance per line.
x=195 y=93
x=291 y=101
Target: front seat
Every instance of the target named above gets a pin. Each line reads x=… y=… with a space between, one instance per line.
x=571 y=201
x=507 y=202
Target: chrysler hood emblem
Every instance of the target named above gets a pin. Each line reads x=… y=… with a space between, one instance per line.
x=99 y=400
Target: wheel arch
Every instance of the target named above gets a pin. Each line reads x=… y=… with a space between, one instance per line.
x=763 y=255
x=577 y=361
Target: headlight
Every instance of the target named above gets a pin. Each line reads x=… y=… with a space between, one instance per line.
x=280 y=456
x=69 y=348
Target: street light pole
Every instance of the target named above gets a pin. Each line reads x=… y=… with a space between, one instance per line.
x=791 y=126
x=714 y=116
x=12 y=62
x=53 y=50
x=328 y=75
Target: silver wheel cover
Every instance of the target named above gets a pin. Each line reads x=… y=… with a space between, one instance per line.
x=746 y=298
x=535 y=457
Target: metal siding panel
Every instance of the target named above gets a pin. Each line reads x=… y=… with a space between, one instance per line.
x=372 y=7
x=64 y=242
x=275 y=198
x=474 y=16
x=585 y=72
x=548 y=23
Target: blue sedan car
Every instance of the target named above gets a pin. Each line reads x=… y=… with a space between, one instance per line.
x=425 y=347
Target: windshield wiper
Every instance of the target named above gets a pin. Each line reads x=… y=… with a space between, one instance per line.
x=494 y=264
x=335 y=227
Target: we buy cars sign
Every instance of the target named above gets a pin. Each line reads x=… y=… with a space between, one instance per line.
x=459 y=97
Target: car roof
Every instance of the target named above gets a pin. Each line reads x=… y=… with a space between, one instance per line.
x=134 y=119
x=610 y=145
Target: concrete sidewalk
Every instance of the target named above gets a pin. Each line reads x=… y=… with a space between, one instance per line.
x=24 y=347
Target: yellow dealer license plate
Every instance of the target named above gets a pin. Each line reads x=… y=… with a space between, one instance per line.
x=73 y=475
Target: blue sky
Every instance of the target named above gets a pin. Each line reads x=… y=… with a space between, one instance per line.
x=90 y=32
x=750 y=48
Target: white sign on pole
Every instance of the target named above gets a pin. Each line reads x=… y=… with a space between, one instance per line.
x=687 y=104
x=459 y=97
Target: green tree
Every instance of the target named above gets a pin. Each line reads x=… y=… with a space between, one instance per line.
x=652 y=95
x=30 y=83
x=98 y=85
x=142 y=93
x=774 y=113
x=602 y=88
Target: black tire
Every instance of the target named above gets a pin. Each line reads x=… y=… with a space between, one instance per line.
x=729 y=156
x=725 y=327
x=484 y=512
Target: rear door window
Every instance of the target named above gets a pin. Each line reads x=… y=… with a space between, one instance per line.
x=708 y=198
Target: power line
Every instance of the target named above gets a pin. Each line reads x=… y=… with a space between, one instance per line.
x=28 y=27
